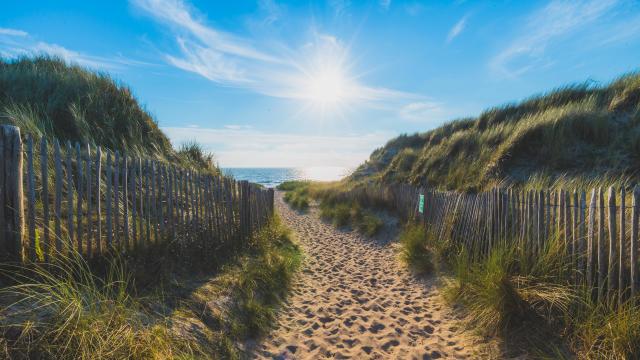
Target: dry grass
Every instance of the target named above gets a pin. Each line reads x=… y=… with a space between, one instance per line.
x=47 y=97
x=68 y=311
x=575 y=133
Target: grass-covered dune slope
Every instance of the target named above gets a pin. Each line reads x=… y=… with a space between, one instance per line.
x=579 y=132
x=46 y=96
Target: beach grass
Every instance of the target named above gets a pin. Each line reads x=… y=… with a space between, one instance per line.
x=68 y=310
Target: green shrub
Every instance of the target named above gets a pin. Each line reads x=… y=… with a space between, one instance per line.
x=65 y=311
x=341 y=214
x=369 y=224
x=350 y=213
x=264 y=279
x=296 y=194
x=524 y=300
x=413 y=249
x=293 y=185
x=605 y=331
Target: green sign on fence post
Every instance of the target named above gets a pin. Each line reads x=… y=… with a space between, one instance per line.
x=421 y=206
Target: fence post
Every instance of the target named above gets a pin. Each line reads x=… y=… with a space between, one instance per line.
x=271 y=205
x=11 y=191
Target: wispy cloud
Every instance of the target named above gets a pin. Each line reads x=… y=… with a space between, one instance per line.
x=272 y=10
x=238 y=127
x=422 y=111
x=385 y=4
x=12 y=32
x=457 y=28
x=556 y=21
x=620 y=32
x=340 y=7
x=278 y=69
x=31 y=47
x=248 y=147
x=15 y=43
x=414 y=8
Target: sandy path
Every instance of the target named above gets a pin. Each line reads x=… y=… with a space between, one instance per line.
x=353 y=299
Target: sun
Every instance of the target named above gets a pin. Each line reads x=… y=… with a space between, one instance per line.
x=327 y=86
x=325 y=82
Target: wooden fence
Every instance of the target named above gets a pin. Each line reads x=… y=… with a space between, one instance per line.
x=95 y=201
x=597 y=231
x=599 y=238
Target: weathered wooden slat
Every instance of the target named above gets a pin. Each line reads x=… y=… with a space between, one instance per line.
x=180 y=201
x=134 y=204
x=153 y=204
x=633 y=246
x=147 y=200
x=567 y=224
x=70 y=187
x=79 y=199
x=108 y=196
x=549 y=217
x=602 y=260
x=89 y=194
x=187 y=206
x=31 y=201
x=116 y=200
x=57 y=209
x=170 y=202
x=162 y=189
x=44 y=178
x=622 y=258
x=542 y=226
x=612 y=275
x=574 y=232
x=582 y=247
x=98 y=201
x=591 y=240
x=125 y=200
x=561 y=216
x=11 y=194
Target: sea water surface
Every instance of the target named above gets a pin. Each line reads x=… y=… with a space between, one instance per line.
x=272 y=177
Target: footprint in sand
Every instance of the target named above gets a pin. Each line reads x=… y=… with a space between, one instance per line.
x=353 y=300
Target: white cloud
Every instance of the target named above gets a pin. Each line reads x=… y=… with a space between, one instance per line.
x=385 y=4
x=20 y=43
x=238 y=127
x=269 y=67
x=272 y=10
x=457 y=28
x=30 y=47
x=340 y=7
x=423 y=111
x=12 y=32
x=558 y=20
x=254 y=148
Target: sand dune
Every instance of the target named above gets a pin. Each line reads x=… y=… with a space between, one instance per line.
x=354 y=300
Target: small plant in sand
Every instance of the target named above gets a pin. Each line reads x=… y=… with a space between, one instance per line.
x=508 y=294
x=351 y=214
x=296 y=194
x=65 y=311
x=606 y=331
x=413 y=249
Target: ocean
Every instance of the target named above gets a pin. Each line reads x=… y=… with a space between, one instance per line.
x=272 y=177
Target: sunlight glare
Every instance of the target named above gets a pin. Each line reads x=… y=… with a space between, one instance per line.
x=327 y=86
x=326 y=83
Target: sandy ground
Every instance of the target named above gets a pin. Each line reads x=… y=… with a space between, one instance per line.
x=354 y=299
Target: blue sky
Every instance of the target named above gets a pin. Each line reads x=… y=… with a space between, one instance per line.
x=323 y=83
